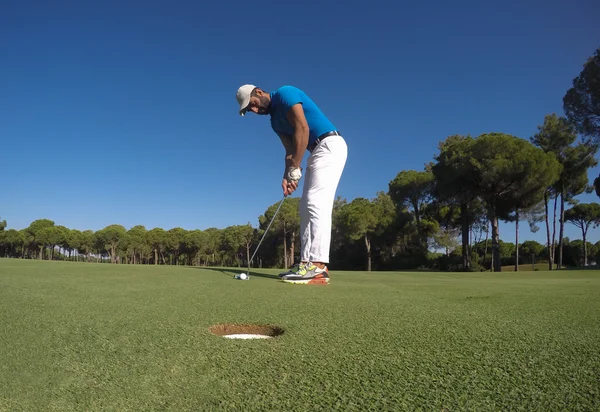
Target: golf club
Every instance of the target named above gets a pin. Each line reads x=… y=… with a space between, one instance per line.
x=264 y=234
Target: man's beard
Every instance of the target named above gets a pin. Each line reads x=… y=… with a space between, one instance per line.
x=265 y=105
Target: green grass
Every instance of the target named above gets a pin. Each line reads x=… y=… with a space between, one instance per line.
x=88 y=337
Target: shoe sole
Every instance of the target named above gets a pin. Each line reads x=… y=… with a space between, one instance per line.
x=319 y=281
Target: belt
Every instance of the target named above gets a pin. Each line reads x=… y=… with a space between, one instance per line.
x=314 y=144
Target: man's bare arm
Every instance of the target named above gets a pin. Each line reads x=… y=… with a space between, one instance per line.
x=300 y=138
x=288 y=144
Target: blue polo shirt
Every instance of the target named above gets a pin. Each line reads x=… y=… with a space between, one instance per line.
x=282 y=101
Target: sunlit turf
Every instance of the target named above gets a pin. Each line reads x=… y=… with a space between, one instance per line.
x=77 y=336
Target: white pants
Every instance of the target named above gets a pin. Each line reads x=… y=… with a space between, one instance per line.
x=323 y=172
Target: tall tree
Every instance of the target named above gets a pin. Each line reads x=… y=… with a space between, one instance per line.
x=338 y=238
x=231 y=245
x=363 y=218
x=582 y=102
x=99 y=246
x=2 y=226
x=35 y=234
x=213 y=240
x=597 y=185
x=447 y=218
x=195 y=244
x=136 y=243
x=286 y=224
x=110 y=237
x=574 y=178
x=531 y=248
x=15 y=240
x=413 y=189
x=507 y=172
x=454 y=182
x=584 y=216
x=86 y=243
x=75 y=242
x=239 y=238
x=247 y=236
x=556 y=135
x=157 y=239
x=478 y=223
x=62 y=239
x=529 y=209
x=175 y=239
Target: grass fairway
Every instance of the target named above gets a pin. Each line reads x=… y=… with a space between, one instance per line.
x=87 y=337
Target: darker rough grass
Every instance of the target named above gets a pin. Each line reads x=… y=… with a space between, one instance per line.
x=76 y=336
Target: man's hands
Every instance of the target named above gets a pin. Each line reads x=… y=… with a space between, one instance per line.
x=290 y=179
x=288 y=187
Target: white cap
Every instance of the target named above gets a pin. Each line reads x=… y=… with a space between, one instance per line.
x=243 y=97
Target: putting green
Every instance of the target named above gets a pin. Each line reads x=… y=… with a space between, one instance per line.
x=77 y=336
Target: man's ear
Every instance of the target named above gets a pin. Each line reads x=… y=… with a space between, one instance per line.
x=259 y=92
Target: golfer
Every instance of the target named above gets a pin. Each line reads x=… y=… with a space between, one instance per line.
x=301 y=126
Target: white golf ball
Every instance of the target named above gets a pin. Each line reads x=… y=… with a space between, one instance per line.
x=243 y=276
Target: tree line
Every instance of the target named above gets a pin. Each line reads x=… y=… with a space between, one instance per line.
x=454 y=204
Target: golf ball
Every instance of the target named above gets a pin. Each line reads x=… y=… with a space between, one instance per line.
x=243 y=276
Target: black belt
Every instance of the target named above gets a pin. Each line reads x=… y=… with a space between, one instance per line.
x=314 y=144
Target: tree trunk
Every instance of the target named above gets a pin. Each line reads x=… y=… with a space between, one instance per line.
x=155 y=256
x=584 y=233
x=550 y=262
x=41 y=252
x=285 y=260
x=496 y=263
x=487 y=237
x=368 y=245
x=292 y=248
x=419 y=232
x=516 y=240
x=562 y=225
x=248 y=253
x=466 y=256
x=472 y=237
x=554 y=230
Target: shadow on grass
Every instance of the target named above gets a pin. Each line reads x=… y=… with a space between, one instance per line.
x=231 y=272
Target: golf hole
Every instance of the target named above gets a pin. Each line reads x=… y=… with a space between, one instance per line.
x=237 y=331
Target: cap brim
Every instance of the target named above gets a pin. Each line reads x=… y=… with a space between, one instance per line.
x=244 y=106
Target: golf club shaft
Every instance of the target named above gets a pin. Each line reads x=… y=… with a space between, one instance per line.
x=264 y=234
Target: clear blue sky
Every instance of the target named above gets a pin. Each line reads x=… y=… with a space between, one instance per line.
x=124 y=112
